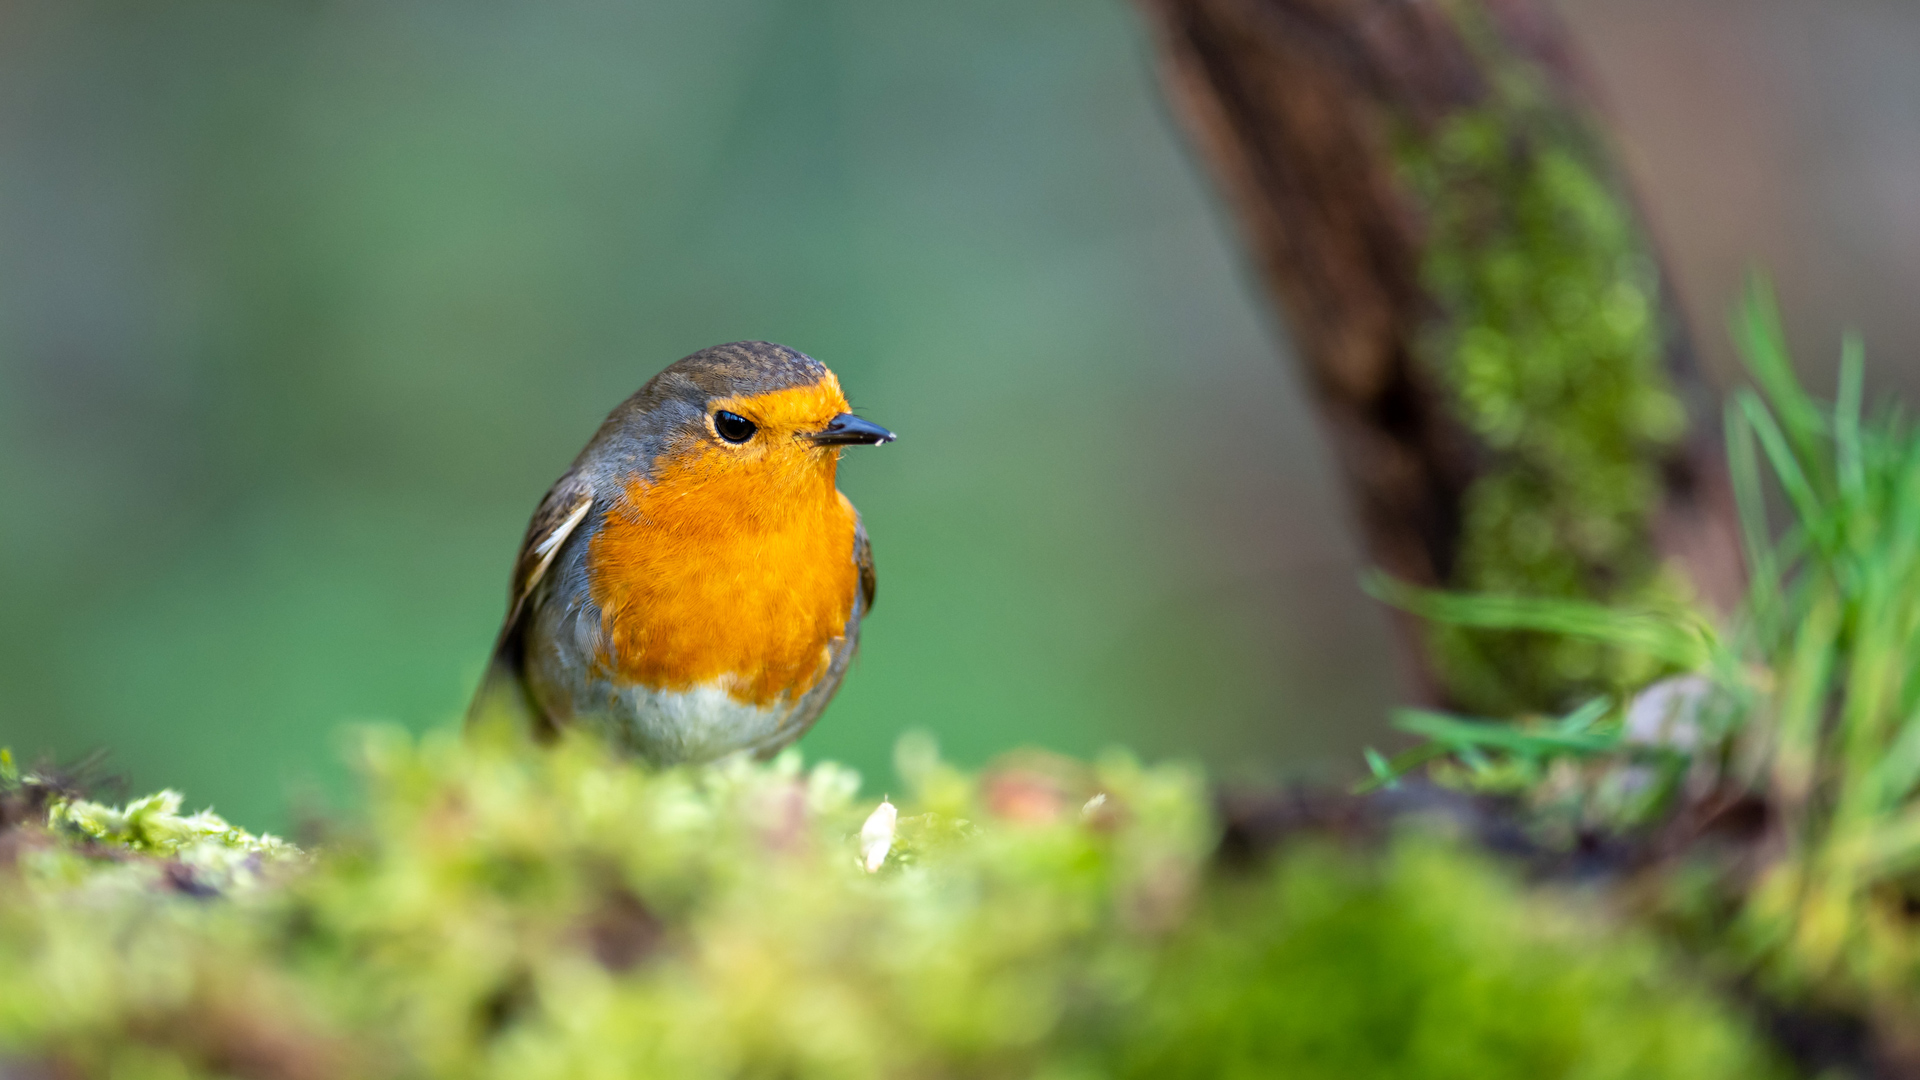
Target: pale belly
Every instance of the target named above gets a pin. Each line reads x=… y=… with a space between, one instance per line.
x=666 y=727
x=669 y=727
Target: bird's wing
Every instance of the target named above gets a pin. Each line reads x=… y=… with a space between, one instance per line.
x=560 y=513
x=504 y=687
x=863 y=558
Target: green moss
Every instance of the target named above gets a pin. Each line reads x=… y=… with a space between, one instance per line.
x=505 y=911
x=1427 y=963
x=1549 y=337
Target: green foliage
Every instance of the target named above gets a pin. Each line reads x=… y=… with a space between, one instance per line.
x=1809 y=703
x=503 y=910
x=1550 y=339
x=1426 y=964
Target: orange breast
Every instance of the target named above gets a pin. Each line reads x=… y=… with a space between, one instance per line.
x=719 y=574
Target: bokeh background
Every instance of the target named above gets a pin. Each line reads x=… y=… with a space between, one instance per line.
x=303 y=304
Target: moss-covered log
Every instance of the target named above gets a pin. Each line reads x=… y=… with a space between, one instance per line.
x=1432 y=204
x=503 y=911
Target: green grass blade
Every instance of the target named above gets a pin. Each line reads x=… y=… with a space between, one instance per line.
x=1463 y=736
x=1683 y=640
x=1846 y=419
x=1897 y=772
x=1786 y=466
x=1763 y=344
x=1749 y=496
x=1581 y=719
x=1382 y=770
x=1800 y=704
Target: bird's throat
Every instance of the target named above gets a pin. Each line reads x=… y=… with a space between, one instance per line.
x=737 y=578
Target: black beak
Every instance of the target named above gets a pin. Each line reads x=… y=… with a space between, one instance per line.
x=849 y=430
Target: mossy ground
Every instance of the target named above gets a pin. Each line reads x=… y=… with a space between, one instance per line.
x=499 y=909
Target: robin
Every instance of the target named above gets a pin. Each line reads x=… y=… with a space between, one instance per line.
x=694 y=584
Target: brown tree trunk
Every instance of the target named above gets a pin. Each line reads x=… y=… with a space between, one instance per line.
x=1314 y=117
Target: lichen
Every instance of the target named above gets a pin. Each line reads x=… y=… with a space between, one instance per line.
x=145 y=845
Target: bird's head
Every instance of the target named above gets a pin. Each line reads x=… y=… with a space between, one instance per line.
x=752 y=416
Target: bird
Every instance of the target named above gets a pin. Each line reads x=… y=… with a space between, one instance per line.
x=693 y=586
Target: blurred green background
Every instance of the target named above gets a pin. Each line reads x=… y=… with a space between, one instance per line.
x=303 y=303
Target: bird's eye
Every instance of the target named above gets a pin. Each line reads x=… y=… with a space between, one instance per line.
x=733 y=427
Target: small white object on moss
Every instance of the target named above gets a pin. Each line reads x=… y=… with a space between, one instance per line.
x=876 y=836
